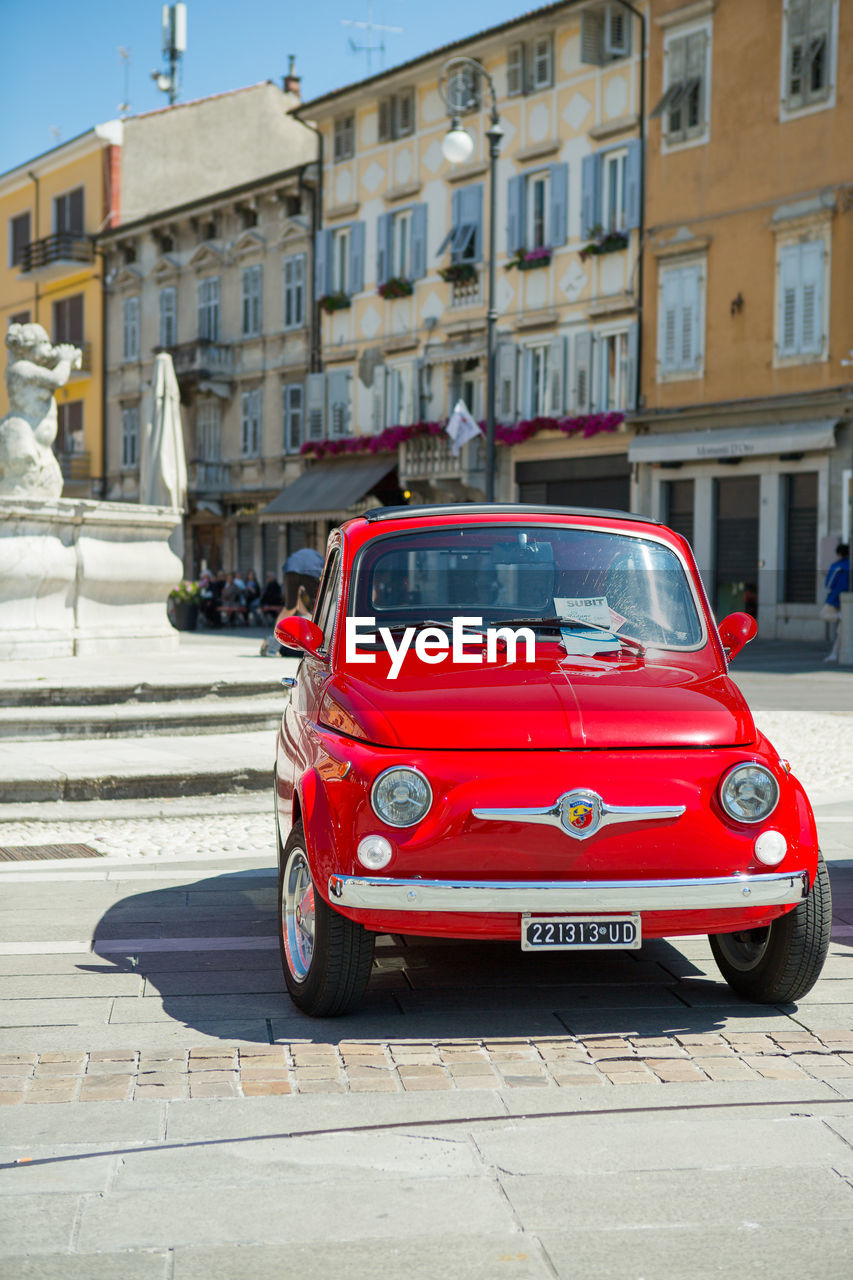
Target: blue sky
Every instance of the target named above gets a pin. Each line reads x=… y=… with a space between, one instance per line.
x=61 y=72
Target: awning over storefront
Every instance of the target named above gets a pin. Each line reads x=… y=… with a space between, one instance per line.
x=327 y=490
x=746 y=442
x=449 y=353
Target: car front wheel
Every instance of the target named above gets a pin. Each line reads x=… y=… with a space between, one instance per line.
x=326 y=958
x=780 y=963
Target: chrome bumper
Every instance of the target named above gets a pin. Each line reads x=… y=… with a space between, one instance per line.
x=377 y=893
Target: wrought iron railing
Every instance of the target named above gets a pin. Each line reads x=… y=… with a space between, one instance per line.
x=62 y=246
x=202 y=359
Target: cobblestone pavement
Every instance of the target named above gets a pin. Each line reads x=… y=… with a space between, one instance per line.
x=250 y=834
x=411 y=1066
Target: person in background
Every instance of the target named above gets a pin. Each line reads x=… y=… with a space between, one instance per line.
x=231 y=600
x=837 y=580
x=301 y=569
x=251 y=597
x=270 y=600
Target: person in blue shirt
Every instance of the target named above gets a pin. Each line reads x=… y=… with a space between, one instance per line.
x=837 y=580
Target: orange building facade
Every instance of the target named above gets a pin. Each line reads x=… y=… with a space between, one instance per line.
x=743 y=436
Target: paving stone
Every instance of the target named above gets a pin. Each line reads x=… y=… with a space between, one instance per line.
x=112 y=1088
x=213 y=1089
x=730 y=1068
x=321 y=1086
x=160 y=1092
x=414 y=1083
x=666 y=1069
x=631 y=1077
x=61 y=1067
x=259 y=1088
x=774 y=1068
x=11 y=1059
x=376 y=1084
x=478 y=1067
x=147 y=1265
x=10 y=1097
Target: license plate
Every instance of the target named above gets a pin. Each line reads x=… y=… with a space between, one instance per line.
x=580 y=933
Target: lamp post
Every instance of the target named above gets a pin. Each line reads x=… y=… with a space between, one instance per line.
x=459 y=86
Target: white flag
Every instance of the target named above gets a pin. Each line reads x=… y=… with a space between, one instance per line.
x=461 y=428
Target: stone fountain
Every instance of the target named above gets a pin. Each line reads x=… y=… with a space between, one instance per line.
x=76 y=576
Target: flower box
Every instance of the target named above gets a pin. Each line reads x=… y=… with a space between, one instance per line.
x=459 y=273
x=396 y=287
x=335 y=301
x=609 y=242
x=530 y=259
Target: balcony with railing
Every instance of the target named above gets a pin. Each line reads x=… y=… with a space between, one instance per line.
x=208 y=477
x=202 y=360
x=428 y=458
x=55 y=255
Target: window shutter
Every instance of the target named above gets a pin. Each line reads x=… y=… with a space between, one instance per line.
x=515 y=215
x=695 y=58
x=383 y=247
x=590 y=195
x=472 y=212
x=526 y=407
x=505 y=360
x=668 y=320
x=515 y=71
x=592 y=37
x=419 y=241
x=687 y=333
x=617 y=32
x=378 y=398
x=557 y=376
x=405 y=103
x=338 y=385
x=633 y=200
x=583 y=371
x=315 y=406
x=322 y=262
x=559 y=220
x=356 y=257
x=76 y=221
x=631 y=366
x=293 y=418
x=385 y=120
x=811 y=277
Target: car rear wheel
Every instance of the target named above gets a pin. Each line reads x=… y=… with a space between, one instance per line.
x=326 y=958
x=780 y=963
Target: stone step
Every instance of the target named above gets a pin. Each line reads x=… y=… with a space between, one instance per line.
x=123 y=768
x=106 y=692
x=208 y=715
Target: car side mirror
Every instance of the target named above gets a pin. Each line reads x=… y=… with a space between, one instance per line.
x=736 y=631
x=299 y=633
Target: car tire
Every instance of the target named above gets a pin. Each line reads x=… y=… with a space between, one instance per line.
x=326 y=958
x=782 y=962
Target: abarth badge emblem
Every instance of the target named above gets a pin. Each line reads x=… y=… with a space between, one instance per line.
x=580 y=812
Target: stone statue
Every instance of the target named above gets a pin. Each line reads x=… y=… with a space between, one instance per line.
x=35 y=369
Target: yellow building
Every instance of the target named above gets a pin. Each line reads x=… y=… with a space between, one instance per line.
x=745 y=438
x=51 y=207
x=401 y=271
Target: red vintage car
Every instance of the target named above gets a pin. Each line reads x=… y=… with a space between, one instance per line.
x=516 y=722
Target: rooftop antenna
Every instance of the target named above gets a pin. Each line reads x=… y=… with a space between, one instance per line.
x=370 y=26
x=124 y=105
x=174 y=47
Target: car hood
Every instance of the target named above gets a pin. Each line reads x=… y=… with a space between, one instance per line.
x=547 y=705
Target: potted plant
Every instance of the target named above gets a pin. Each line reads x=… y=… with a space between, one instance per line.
x=335 y=301
x=183 y=605
x=396 y=287
x=530 y=259
x=604 y=242
x=459 y=273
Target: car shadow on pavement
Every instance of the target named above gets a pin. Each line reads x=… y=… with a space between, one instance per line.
x=207 y=955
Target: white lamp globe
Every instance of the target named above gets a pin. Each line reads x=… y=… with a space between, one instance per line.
x=457 y=146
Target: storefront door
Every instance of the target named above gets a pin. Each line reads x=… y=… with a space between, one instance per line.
x=736 y=545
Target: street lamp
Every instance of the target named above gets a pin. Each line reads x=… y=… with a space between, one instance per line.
x=459 y=86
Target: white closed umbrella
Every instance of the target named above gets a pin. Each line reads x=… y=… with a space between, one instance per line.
x=162 y=457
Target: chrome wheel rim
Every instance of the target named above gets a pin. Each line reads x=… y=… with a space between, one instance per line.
x=297 y=913
x=746 y=949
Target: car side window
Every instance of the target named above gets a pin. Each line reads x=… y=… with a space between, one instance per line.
x=327 y=600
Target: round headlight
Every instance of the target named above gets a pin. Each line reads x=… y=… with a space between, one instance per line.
x=401 y=797
x=749 y=792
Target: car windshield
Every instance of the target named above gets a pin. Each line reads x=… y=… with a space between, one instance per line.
x=527 y=575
